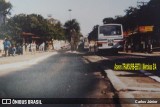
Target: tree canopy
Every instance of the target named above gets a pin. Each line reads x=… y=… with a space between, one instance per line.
x=35 y=24
x=93 y=35
x=5 y=7
x=70 y=25
x=142 y=15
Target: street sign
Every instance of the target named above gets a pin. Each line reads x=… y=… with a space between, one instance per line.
x=145 y=29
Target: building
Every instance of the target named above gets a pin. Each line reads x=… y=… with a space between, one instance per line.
x=141 y=39
x=28 y=38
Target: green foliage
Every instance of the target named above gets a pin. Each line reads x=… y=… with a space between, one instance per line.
x=5 y=7
x=93 y=35
x=35 y=24
x=138 y=16
x=108 y=20
x=144 y=15
x=70 y=25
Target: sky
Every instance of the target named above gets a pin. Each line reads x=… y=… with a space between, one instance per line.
x=87 y=12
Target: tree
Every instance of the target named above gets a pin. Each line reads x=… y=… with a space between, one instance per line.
x=131 y=18
x=35 y=24
x=93 y=35
x=72 y=30
x=153 y=7
x=5 y=8
x=108 y=20
x=70 y=25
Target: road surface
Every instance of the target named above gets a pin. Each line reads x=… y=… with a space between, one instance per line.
x=65 y=75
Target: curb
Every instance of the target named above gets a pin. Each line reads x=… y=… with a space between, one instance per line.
x=116 y=82
x=123 y=90
x=141 y=54
x=156 y=78
x=120 y=87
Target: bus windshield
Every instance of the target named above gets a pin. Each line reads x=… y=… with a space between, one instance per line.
x=110 y=30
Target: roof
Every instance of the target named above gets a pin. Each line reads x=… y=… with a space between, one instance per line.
x=26 y=34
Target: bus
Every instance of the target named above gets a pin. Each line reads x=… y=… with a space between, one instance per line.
x=110 y=37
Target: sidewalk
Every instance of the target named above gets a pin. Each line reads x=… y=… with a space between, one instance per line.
x=130 y=85
x=23 y=60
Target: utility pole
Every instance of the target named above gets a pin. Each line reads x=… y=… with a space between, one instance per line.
x=70 y=10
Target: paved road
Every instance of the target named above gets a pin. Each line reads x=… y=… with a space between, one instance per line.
x=65 y=75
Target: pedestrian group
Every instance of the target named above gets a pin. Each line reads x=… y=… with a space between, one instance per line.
x=10 y=49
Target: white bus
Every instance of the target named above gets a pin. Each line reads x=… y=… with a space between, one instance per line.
x=110 y=37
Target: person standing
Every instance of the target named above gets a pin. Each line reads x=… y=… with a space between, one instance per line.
x=7 y=45
x=41 y=47
x=33 y=47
